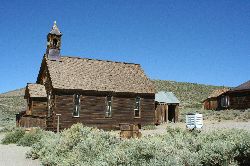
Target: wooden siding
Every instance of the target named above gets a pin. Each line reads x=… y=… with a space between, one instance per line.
x=211 y=104
x=92 y=112
x=239 y=100
x=39 y=108
x=32 y=121
x=162 y=113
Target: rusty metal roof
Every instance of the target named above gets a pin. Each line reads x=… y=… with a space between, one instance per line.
x=218 y=92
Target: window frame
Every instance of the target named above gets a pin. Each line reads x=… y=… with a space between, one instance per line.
x=225 y=101
x=49 y=95
x=108 y=110
x=77 y=106
x=137 y=107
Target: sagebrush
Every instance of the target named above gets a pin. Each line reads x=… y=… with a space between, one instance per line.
x=89 y=146
x=13 y=136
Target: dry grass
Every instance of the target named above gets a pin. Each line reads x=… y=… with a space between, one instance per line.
x=236 y=115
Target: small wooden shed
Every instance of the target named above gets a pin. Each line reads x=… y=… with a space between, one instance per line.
x=166 y=107
x=216 y=100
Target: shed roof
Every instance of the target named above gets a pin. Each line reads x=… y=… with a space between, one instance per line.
x=36 y=90
x=166 y=97
x=73 y=73
x=244 y=86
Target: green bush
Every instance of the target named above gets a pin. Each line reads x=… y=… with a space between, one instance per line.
x=89 y=146
x=239 y=115
x=13 y=136
x=31 y=137
x=7 y=128
x=149 y=127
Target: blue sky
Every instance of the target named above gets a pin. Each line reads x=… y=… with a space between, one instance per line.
x=204 y=42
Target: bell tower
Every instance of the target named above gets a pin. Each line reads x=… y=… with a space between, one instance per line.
x=54 y=43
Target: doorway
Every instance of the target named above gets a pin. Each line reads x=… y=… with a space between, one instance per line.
x=171 y=113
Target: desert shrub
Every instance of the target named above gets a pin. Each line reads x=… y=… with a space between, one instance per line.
x=45 y=146
x=239 y=115
x=81 y=145
x=149 y=127
x=7 y=128
x=31 y=137
x=13 y=136
x=75 y=145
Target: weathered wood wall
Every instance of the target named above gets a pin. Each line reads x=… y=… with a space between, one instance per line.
x=161 y=110
x=93 y=109
x=32 y=121
x=39 y=108
x=239 y=100
x=177 y=112
x=210 y=104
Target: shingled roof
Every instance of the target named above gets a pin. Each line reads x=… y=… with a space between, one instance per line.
x=218 y=92
x=98 y=75
x=55 y=30
x=243 y=86
x=36 y=90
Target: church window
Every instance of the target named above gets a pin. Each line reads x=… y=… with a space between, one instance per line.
x=77 y=102
x=137 y=109
x=108 y=113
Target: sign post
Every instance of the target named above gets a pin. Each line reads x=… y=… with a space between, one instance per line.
x=58 y=122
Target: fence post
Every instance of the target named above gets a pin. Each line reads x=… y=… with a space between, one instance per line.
x=58 y=122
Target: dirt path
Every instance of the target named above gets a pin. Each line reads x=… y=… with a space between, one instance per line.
x=208 y=126
x=12 y=155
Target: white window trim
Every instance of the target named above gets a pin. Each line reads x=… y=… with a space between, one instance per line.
x=107 y=106
x=49 y=104
x=137 y=109
x=77 y=106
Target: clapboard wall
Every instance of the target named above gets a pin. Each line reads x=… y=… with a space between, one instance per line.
x=92 y=112
x=39 y=107
x=239 y=100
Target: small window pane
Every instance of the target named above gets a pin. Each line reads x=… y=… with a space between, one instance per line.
x=225 y=101
x=108 y=112
x=49 y=103
x=77 y=101
x=137 y=107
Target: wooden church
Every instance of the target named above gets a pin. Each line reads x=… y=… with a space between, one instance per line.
x=94 y=92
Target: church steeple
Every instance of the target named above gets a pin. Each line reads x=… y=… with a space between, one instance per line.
x=54 y=43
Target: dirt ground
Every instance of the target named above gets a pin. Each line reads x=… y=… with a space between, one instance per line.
x=13 y=155
x=208 y=126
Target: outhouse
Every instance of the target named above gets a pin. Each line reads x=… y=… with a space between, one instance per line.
x=166 y=107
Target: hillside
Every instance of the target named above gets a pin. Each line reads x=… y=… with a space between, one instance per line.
x=17 y=92
x=190 y=94
x=11 y=103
